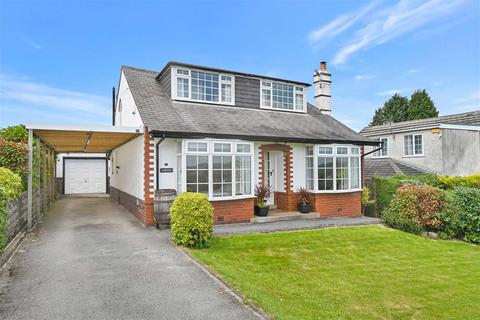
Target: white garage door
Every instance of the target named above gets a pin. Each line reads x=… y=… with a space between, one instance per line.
x=85 y=176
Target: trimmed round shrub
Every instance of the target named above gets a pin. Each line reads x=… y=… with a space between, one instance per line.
x=415 y=208
x=192 y=220
x=461 y=216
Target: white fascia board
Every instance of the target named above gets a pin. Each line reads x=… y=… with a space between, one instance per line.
x=81 y=127
x=459 y=127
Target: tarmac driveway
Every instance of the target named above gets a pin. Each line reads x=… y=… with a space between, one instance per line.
x=91 y=259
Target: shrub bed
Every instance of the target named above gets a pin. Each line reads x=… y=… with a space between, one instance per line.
x=415 y=208
x=10 y=188
x=192 y=220
x=461 y=216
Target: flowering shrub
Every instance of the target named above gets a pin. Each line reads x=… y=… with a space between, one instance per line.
x=14 y=156
x=415 y=208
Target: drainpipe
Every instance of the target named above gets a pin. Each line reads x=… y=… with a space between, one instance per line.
x=363 y=161
x=157 y=160
x=114 y=107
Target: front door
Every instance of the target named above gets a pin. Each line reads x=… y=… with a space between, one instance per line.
x=274 y=173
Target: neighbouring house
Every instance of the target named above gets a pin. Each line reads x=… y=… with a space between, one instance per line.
x=221 y=132
x=447 y=145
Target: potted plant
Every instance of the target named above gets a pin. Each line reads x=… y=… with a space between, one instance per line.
x=261 y=193
x=304 y=205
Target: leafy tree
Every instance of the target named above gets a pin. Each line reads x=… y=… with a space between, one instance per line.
x=421 y=106
x=16 y=133
x=393 y=110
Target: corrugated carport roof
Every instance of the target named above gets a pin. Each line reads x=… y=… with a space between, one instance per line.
x=83 y=138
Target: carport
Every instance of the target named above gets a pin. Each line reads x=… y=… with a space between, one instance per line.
x=69 y=138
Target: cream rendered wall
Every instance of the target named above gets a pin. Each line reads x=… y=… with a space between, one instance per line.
x=128 y=116
x=461 y=152
x=127 y=168
x=432 y=158
x=299 y=162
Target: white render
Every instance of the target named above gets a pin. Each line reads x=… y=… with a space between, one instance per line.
x=322 y=83
x=446 y=150
x=127 y=168
x=126 y=113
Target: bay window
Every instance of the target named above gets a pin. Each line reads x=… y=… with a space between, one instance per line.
x=219 y=169
x=195 y=85
x=282 y=96
x=337 y=168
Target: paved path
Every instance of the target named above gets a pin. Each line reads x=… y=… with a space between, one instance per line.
x=93 y=260
x=293 y=225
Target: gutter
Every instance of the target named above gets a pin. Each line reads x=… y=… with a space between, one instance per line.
x=191 y=135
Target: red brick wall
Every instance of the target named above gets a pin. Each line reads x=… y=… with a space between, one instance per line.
x=346 y=204
x=287 y=201
x=148 y=178
x=132 y=204
x=233 y=211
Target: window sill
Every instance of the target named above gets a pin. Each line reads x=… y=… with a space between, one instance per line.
x=180 y=99
x=413 y=156
x=231 y=198
x=337 y=191
x=285 y=110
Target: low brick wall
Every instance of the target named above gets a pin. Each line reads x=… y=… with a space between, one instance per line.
x=346 y=204
x=233 y=211
x=131 y=203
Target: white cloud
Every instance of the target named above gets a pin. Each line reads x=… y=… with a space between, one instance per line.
x=394 y=21
x=411 y=71
x=338 y=25
x=31 y=43
x=14 y=91
x=390 y=92
x=361 y=77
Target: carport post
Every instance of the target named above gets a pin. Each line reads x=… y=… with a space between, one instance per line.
x=30 y=180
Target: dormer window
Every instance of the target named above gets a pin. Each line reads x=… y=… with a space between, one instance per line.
x=282 y=96
x=197 y=85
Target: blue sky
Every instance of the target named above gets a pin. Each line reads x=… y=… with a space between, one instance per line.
x=59 y=59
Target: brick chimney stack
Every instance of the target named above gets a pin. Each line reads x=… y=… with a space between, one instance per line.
x=322 y=81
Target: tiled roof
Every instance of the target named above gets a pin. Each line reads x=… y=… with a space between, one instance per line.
x=184 y=119
x=467 y=118
x=386 y=167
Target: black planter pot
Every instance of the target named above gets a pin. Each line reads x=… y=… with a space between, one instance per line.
x=261 y=212
x=304 y=208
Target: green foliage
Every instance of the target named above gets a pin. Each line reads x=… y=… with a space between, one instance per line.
x=192 y=220
x=10 y=188
x=472 y=181
x=385 y=187
x=421 y=106
x=366 y=201
x=393 y=110
x=10 y=182
x=461 y=216
x=415 y=208
x=398 y=109
x=14 y=133
x=14 y=156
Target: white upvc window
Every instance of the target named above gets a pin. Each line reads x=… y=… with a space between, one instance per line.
x=413 y=145
x=282 y=96
x=221 y=169
x=382 y=153
x=204 y=86
x=337 y=168
x=309 y=168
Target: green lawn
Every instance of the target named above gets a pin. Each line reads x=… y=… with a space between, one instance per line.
x=351 y=273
